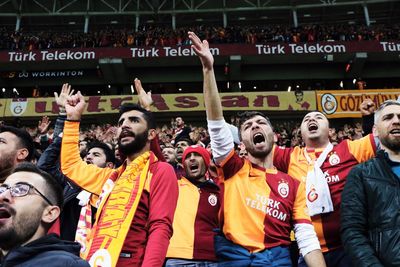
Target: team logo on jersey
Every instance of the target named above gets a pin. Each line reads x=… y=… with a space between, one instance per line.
x=283 y=189
x=334 y=159
x=212 y=199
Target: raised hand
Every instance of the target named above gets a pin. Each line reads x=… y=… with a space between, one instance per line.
x=74 y=106
x=367 y=107
x=64 y=94
x=43 y=125
x=145 y=99
x=202 y=50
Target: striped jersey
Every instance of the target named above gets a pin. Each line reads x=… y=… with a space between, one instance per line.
x=337 y=165
x=259 y=206
x=196 y=217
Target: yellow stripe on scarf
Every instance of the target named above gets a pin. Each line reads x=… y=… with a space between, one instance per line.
x=116 y=212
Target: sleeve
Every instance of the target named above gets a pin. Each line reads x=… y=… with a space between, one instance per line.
x=221 y=140
x=163 y=200
x=87 y=176
x=49 y=161
x=306 y=237
x=59 y=126
x=155 y=148
x=281 y=158
x=354 y=221
x=367 y=124
x=362 y=149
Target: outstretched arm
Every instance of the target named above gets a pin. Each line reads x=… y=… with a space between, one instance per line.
x=220 y=135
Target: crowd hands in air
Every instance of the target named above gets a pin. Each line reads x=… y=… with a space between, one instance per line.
x=150 y=35
x=225 y=194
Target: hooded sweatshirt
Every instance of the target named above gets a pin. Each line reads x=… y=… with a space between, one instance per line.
x=46 y=251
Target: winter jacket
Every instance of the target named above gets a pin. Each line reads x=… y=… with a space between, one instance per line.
x=49 y=162
x=370 y=220
x=48 y=251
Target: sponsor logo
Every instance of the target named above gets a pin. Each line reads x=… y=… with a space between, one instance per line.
x=283 y=189
x=329 y=103
x=212 y=199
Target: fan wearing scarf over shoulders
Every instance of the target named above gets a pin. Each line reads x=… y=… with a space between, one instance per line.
x=136 y=201
x=324 y=168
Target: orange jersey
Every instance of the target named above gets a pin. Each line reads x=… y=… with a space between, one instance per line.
x=196 y=217
x=337 y=165
x=259 y=205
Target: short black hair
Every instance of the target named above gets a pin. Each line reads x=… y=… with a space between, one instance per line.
x=246 y=115
x=183 y=137
x=110 y=155
x=54 y=191
x=148 y=115
x=25 y=139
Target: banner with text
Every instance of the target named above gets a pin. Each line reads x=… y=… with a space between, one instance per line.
x=2 y=107
x=78 y=54
x=346 y=103
x=266 y=101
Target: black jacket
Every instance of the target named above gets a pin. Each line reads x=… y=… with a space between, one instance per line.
x=49 y=162
x=370 y=214
x=45 y=252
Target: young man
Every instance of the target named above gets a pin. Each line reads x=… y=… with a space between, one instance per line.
x=136 y=201
x=324 y=168
x=30 y=202
x=370 y=220
x=260 y=205
x=196 y=215
x=16 y=146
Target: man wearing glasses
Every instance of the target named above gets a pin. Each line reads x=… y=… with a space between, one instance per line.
x=30 y=202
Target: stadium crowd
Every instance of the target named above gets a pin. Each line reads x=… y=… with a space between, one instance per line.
x=133 y=194
x=150 y=35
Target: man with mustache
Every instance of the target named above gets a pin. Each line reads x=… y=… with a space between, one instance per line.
x=370 y=219
x=260 y=204
x=136 y=201
x=30 y=202
x=324 y=168
x=16 y=146
x=196 y=215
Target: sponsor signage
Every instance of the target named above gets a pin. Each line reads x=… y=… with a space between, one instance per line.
x=43 y=74
x=77 y=54
x=346 y=103
x=266 y=101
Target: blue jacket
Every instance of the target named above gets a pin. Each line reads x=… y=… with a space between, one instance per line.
x=45 y=252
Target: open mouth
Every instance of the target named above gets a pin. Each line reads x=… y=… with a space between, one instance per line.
x=312 y=127
x=194 y=167
x=126 y=134
x=258 y=138
x=395 y=131
x=4 y=214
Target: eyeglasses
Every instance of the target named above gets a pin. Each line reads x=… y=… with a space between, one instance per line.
x=21 y=190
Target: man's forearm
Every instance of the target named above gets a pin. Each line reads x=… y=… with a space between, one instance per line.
x=211 y=96
x=315 y=259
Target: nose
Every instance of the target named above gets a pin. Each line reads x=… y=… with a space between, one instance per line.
x=5 y=196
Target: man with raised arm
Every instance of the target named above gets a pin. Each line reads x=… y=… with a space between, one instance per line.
x=136 y=201
x=324 y=168
x=260 y=205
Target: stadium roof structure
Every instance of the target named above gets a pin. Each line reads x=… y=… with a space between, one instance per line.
x=76 y=13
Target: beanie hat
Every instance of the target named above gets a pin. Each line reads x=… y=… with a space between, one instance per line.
x=199 y=150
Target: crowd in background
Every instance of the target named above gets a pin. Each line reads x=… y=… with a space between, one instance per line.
x=150 y=35
x=287 y=132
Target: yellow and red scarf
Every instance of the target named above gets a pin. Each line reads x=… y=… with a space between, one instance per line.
x=116 y=211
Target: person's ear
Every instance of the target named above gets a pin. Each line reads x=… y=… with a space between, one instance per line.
x=22 y=154
x=375 y=131
x=50 y=214
x=110 y=165
x=152 y=134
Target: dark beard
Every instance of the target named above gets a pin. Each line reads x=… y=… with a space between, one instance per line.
x=260 y=154
x=6 y=166
x=21 y=230
x=393 y=145
x=135 y=146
